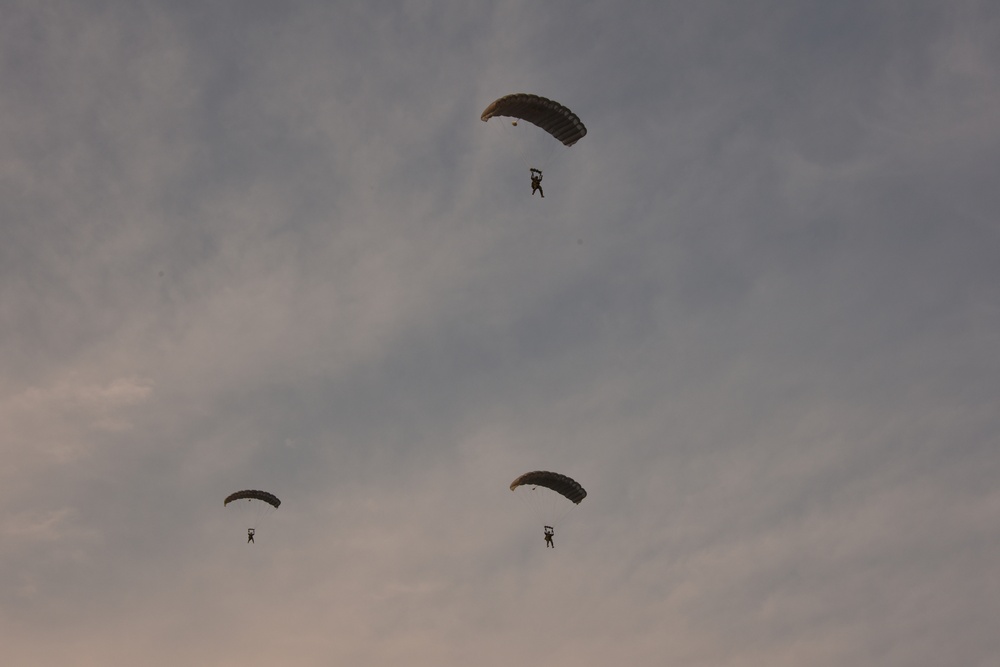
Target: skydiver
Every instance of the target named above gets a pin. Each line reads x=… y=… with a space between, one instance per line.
x=549 y=532
x=250 y=532
x=536 y=182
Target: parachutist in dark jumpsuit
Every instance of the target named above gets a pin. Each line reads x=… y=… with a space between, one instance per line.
x=549 y=532
x=536 y=182
x=250 y=532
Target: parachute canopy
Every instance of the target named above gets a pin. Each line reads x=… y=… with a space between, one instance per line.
x=252 y=494
x=561 y=484
x=551 y=116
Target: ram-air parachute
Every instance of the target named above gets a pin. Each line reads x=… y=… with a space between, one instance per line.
x=549 y=495
x=547 y=114
x=537 y=149
x=253 y=494
x=565 y=486
x=254 y=506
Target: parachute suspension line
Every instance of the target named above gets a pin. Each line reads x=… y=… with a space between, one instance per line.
x=531 y=508
x=253 y=506
x=512 y=135
x=547 y=506
x=540 y=511
x=500 y=132
x=536 y=154
x=503 y=135
x=519 y=143
x=261 y=511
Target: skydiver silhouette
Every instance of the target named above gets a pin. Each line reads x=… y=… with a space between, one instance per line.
x=549 y=532
x=250 y=532
x=536 y=182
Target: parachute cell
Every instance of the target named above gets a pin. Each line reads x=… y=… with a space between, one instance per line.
x=547 y=114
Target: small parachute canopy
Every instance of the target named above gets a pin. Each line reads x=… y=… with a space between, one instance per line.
x=252 y=494
x=551 y=116
x=561 y=484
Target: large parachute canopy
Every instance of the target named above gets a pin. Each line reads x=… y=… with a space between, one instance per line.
x=547 y=114
x=253 y=494
x=561 y=484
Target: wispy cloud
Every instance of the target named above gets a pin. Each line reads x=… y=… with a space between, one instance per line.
x=252 y=246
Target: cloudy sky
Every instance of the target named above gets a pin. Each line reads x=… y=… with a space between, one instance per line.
x=271 y=245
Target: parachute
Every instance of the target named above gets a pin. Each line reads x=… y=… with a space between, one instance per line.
x=547 y=114
x=549 y=495
x=534 y=144
x=561 y=484
x=252 y=494
x=255 y=506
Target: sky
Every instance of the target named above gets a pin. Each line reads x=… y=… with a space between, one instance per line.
x=258 y=245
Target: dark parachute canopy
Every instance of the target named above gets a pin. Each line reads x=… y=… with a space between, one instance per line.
x=561 y=484
x=551 y=116
x=252 y=494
